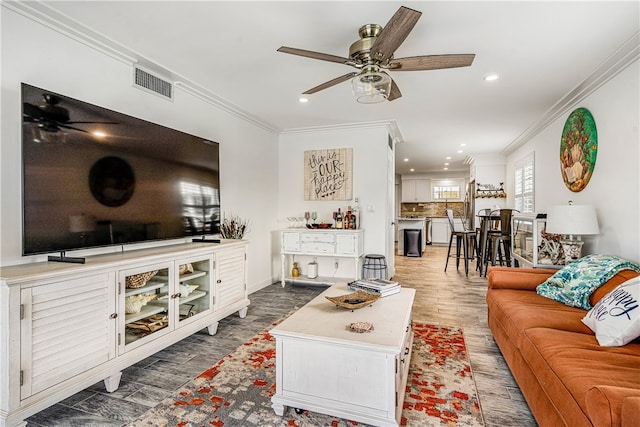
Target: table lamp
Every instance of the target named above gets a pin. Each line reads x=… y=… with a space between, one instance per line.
x=572 y=221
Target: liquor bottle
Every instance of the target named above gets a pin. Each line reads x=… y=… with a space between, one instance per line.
x=355 y=213
x=339 y=220
x=348 y=219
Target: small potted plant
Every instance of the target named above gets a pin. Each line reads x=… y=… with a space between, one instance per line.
x=233 y=227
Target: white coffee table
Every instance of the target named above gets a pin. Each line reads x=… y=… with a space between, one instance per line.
x=322 y=366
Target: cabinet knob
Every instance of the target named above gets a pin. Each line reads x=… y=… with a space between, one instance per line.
x=178 y=295
x=218 y=281
x=113 y=315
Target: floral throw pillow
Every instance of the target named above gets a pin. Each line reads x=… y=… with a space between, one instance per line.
x=615 y=319
x=574 y=283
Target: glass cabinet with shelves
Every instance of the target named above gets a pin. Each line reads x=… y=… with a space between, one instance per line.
x=532 y=246
x=194 y=294
x=145 y=302
x=160 y=298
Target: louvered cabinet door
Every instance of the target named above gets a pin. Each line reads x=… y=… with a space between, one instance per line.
x=230 y=277
x=67 y=328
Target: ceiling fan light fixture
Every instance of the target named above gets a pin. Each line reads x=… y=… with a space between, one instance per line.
x=371 y=85
x=48 y=136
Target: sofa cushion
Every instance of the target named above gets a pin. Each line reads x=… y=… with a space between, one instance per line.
x=569 y=364
x=574 y=283
x=616 y=318
x=518 y=310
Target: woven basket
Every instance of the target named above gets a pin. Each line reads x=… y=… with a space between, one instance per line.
x=358 y=299
x=139 y=280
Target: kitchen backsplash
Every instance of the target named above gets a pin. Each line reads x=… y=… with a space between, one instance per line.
x=430 y=209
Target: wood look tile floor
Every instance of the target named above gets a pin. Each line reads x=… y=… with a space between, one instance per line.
x=449 y=299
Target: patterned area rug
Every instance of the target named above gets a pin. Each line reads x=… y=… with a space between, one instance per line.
x=237 y=390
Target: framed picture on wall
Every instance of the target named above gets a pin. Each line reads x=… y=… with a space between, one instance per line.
x=328 y=174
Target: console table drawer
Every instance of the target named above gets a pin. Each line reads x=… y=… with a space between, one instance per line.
x=318 y=247
x=317 y=237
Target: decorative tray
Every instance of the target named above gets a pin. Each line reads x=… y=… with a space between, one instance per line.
x=358 y=299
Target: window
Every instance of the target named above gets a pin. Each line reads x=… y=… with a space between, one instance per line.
x=201 y=207
x=524 y=185
x=446 y=190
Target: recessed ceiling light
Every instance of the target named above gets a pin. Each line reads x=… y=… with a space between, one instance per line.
x=303 y=100
x=491 y=77
x=446 y=169
x=446 y=164
x=448 y=158
x=463 y=145
x=406 y=160
x=460 y=151
x=412 y=170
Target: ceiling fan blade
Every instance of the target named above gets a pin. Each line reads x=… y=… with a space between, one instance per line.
x=395 y=91
x=90 y=123
x=431 y=62
x=394 y=33
x=330 y=83
x=32 y=111
x=71 y=127
x=313 y=55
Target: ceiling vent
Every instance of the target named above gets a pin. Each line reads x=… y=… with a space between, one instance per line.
x=152 y=83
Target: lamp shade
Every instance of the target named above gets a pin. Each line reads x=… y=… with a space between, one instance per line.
x=572 y=220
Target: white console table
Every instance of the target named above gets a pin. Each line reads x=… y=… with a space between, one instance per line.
x=324 y=367
x=65 y=327
x=320 y=243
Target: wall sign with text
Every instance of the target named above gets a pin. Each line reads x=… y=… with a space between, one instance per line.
x=328 y=174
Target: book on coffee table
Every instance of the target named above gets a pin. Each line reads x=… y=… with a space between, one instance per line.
x=377 y=286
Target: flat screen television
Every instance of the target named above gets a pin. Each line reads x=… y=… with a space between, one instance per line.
x=94 y=177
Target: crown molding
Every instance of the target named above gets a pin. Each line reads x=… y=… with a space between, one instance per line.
x=49 y=17
x=389 y=125
x=626 y=55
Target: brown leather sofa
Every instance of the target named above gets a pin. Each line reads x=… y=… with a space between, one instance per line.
x=567 y=378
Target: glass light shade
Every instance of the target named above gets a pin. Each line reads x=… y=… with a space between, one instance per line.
x=572 y=220
x=371 y=86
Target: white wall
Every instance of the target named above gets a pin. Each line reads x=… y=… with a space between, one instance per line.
x=370 y=146
x=614 y=188
x=37 y=55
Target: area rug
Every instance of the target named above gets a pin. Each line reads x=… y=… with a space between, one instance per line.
x=237 y=390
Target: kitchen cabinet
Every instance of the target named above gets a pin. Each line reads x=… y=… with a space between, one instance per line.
x=440 y=231
x=416 y=190
x=67 y=326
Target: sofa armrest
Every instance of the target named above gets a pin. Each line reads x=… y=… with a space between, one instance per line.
x=630 y=411
x=613 y=406
x=517 y=278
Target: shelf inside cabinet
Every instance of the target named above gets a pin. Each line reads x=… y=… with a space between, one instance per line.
x=192 y=296
x=145 y=311
x=151 y=285
x=190 y=276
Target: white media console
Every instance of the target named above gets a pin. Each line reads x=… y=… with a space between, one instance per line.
x=65 y=327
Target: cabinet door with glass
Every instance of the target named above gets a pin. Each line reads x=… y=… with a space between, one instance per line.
x=193 y=297
x=532 y=246
x=145 y=302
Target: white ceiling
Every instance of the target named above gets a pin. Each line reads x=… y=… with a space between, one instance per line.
x=541 y=51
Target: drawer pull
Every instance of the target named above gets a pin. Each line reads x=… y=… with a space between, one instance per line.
x=113 y=315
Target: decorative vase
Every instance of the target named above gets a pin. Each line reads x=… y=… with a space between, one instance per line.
x=295 y=271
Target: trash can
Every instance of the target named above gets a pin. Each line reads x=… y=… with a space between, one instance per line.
x=412 y=242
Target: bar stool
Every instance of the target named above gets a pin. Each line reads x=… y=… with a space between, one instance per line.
x=463 y=238
x=500 y=241
x=374 y=267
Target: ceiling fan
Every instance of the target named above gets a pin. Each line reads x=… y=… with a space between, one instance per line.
x=50 y=117
x=373 y=52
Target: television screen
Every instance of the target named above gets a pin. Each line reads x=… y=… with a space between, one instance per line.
x=94 y=177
